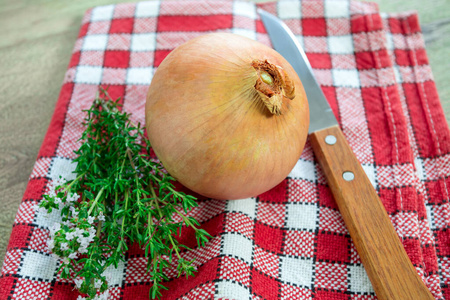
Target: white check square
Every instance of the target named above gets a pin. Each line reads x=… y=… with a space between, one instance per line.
x=301 y=216
x=290 y=9
x=37 y=265
x=116 y=274
x=358 y=280
x=63 y=167
x=340 y=44
x=296 y=270
x=139 y=75
x=345 y=78
x=231 y=290
x=245 y=206
x=88 y=74
x=95 y=42
x=418 y=162
x=304 y=169
x=47 y=220
x=389 y=41
x=102 y=13
x=147 y=9
x=245 y=9
x=336 y=9
x=398 y=76
x=236 y=245
x=370 y=172
x=143 y=42
x=245 y=32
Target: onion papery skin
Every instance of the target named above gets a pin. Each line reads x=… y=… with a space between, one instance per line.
x=208 y=126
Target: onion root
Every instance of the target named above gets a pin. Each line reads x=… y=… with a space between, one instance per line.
x=273 y=85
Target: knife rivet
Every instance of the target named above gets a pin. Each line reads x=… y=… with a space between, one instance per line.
x=348 y=176
x=330 y=139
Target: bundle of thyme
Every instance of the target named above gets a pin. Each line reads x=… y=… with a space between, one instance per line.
x=120 y=196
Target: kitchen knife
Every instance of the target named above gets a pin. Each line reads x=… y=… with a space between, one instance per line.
x=385 y=260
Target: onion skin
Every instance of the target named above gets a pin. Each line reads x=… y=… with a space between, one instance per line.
x=209 y=126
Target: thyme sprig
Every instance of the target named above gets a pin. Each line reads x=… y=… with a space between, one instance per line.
x=120 y=196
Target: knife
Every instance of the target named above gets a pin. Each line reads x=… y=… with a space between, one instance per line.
x=385 y=260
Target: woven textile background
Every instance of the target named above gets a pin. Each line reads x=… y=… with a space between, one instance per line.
x=290 y=242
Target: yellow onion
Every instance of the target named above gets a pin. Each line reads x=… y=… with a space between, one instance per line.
x=227 y=116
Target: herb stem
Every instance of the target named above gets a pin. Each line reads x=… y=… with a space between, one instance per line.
x=174 y=246
x=122 y=231
x=96 y=200
x=67 y=188
x=186 y=219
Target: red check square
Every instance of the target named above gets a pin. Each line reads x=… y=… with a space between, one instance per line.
x=159 y=56
x=358 y=24
x=121 y=25
x=365 y=60
x=320 y=60
x=442 y=241
x=83 y=30
x=268 y=238
x=35 y=188
x=314 y=27
x=264 y=286
x=395 y=25
x=116 y=59
x=333 y=247
x=22 y=234
x=276 y=194
x=324 y=294
x=325 y=197
x=75 y=59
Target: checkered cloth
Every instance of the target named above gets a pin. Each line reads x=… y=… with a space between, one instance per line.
x=290 y=242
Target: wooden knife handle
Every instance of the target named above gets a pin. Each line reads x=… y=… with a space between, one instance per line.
x=382 y=254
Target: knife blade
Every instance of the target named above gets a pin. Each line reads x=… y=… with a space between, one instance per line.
x=385 y=260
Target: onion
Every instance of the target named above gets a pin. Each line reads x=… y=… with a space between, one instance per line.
x=227 y=116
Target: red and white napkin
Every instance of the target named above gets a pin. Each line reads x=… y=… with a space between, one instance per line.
x=290 y=242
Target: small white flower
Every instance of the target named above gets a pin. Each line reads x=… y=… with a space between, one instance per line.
x=52 y=192
x=91 y=219
x=73 y=255
x=64 y=246
x=67 y=223
x=108 y=278
x=58 y=200
x=73 y=197
x=78 y=283
x=79 y=232
x=82 y=250
x=98 y=283
x=101 y=217
x=74 y=212
x=92 y=231
x=66 y=260
x=56 y=227
x=60 y=181
x=70 y=235
x=50 y=244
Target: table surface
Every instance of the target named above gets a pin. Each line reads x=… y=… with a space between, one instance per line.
x=36 y=42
